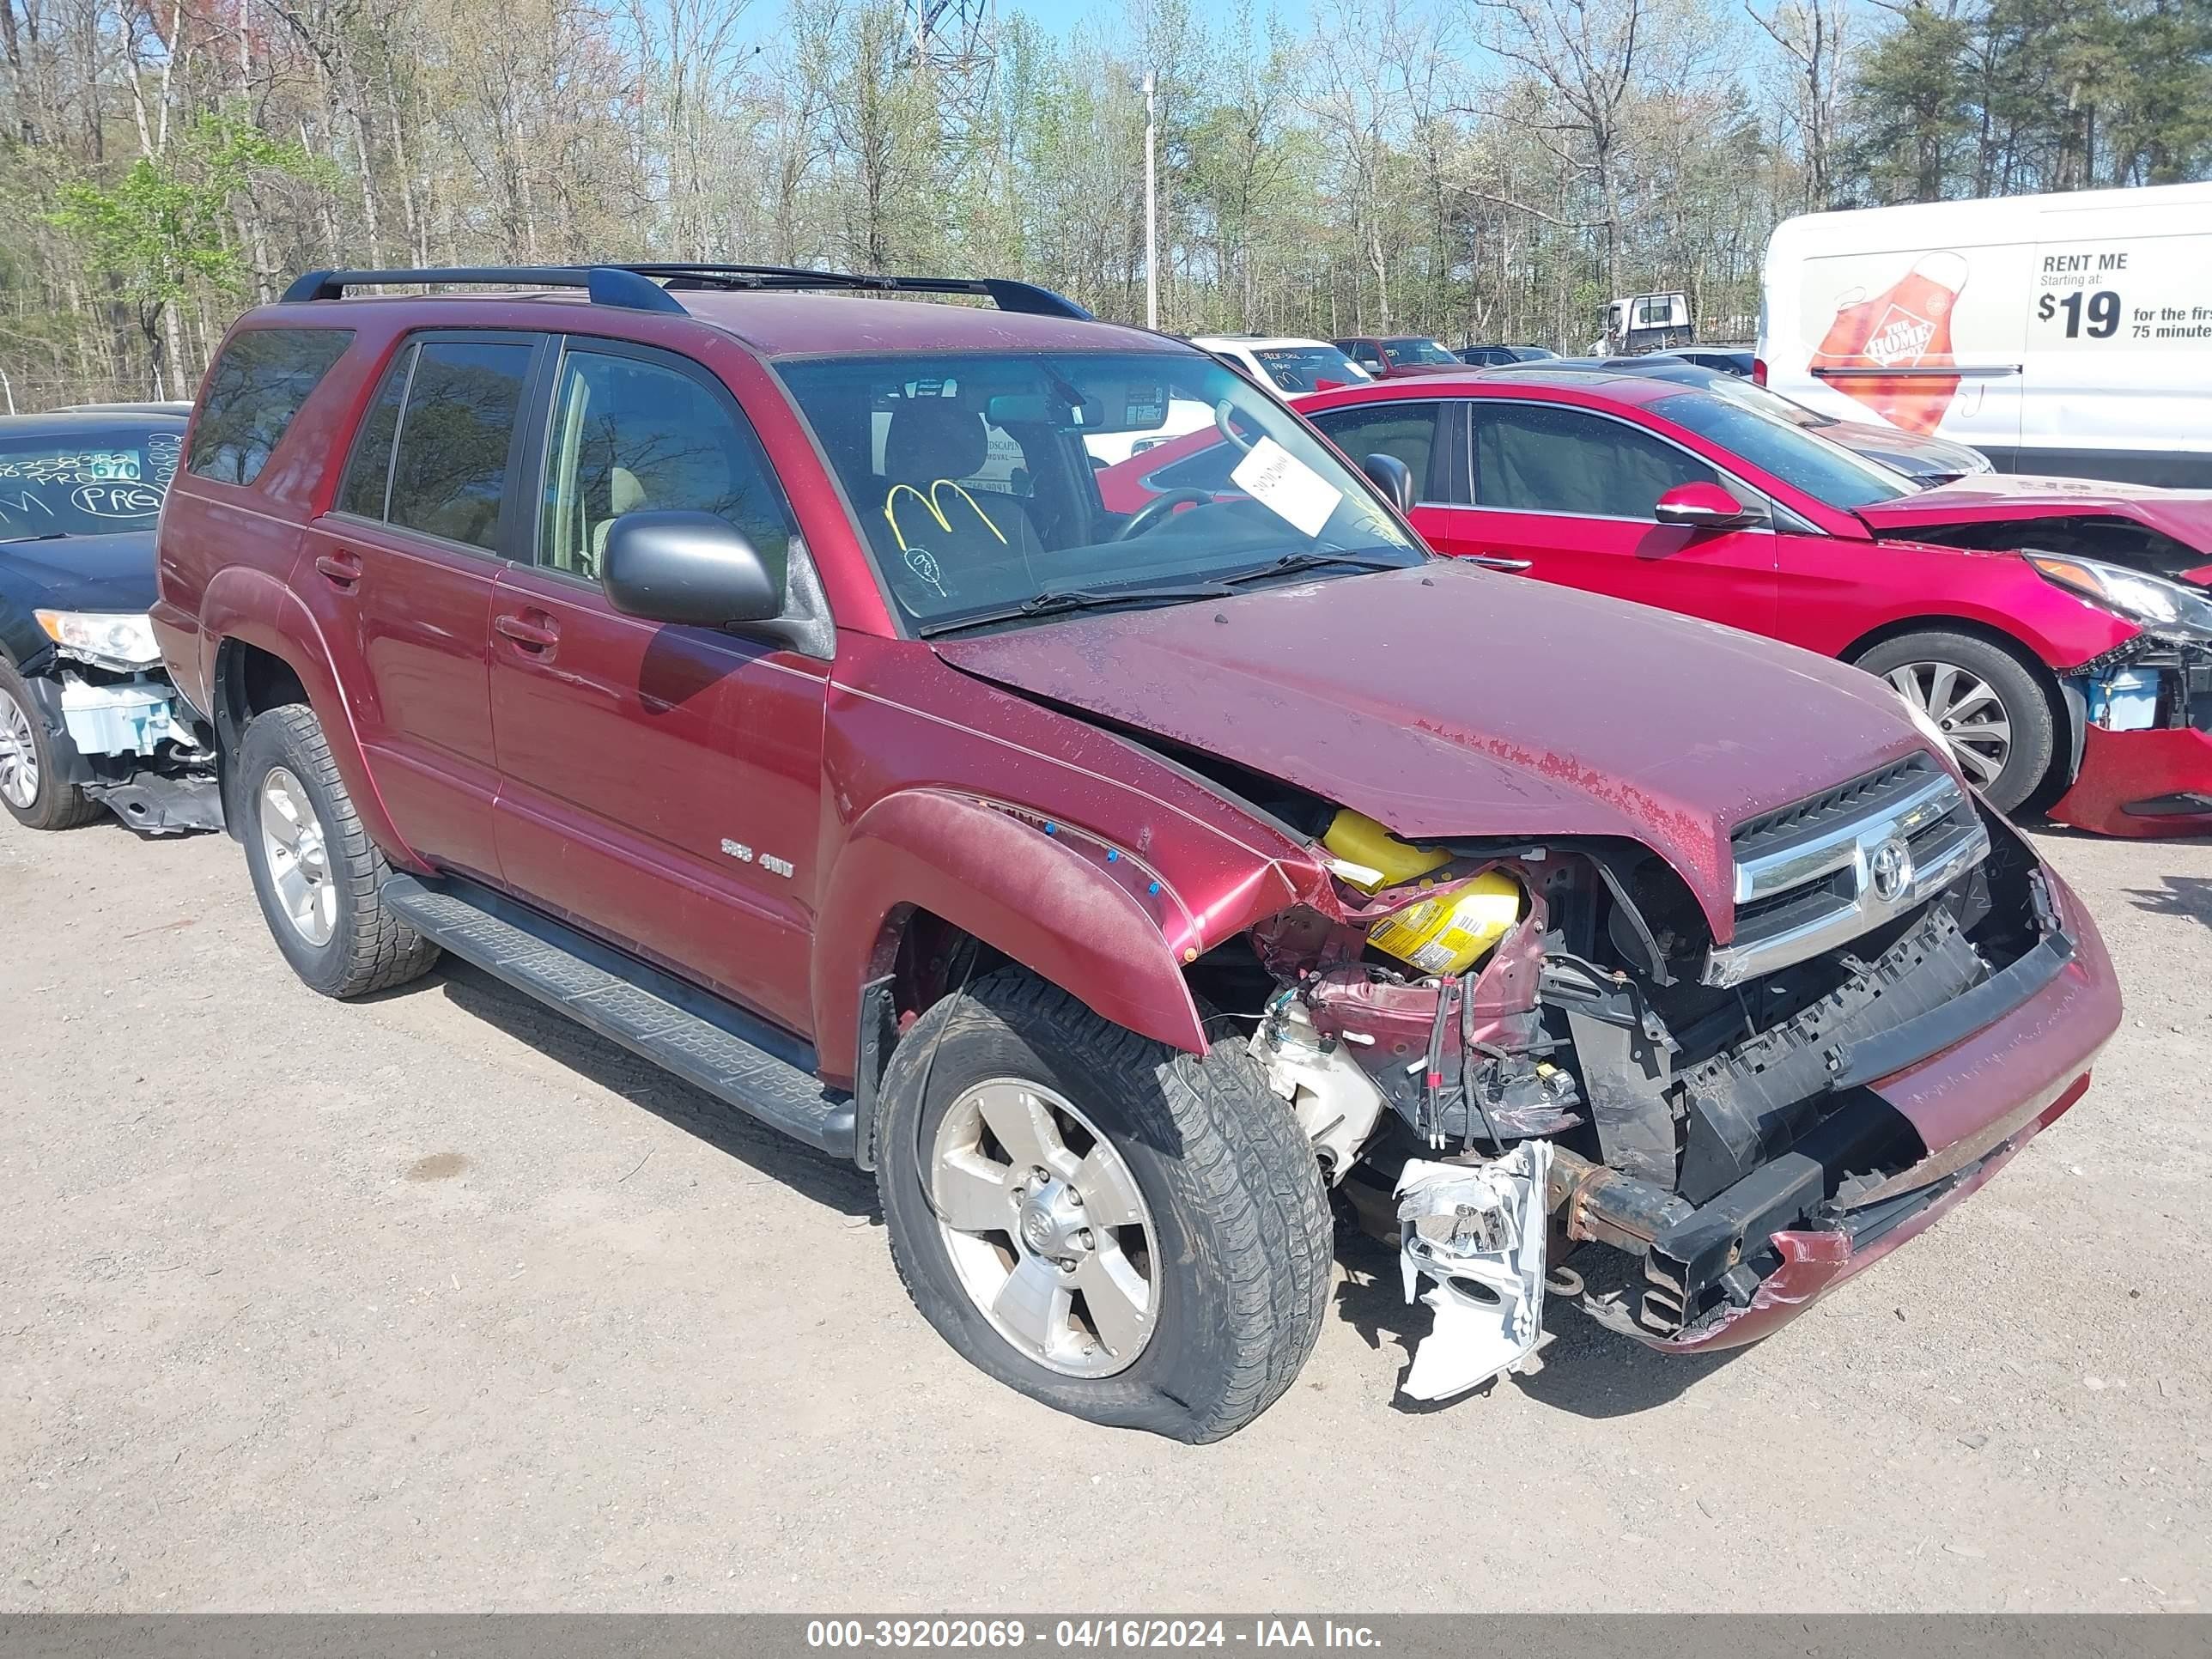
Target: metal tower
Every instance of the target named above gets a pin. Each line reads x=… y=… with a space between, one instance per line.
x=958 y=41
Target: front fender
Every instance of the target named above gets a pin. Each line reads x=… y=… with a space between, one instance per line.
x=253 y=608
x=1018 y=886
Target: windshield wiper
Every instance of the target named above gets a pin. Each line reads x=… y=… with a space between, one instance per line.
x=1056 y=600
x=1314 y=560
x=43 y=536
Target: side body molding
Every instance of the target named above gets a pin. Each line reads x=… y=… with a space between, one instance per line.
x=1010 y=884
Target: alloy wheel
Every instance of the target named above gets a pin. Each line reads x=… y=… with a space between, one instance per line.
x=293 y=840
x=1047 y=1231
x=1966 y=709
x=19 y=755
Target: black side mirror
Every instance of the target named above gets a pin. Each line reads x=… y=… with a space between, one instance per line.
x=689 y=568
x=1392 y=476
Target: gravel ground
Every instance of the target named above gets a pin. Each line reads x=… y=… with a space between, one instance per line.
x=439 y=1303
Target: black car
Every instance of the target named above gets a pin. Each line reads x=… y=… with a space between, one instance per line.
x=1489 y=356
x=1928 y=461
x=88 y=720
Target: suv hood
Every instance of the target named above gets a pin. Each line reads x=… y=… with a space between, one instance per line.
x=1448 y=700
x=1997 y=498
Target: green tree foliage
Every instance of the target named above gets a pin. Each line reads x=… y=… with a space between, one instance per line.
x=1486 y=169
x=2018 y=95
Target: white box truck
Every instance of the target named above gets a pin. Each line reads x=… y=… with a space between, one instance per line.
x=2068 y=334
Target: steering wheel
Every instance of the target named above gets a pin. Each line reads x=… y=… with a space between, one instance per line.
x=1154 y=513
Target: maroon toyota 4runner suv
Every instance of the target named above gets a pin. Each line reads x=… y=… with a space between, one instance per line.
x=752 y=671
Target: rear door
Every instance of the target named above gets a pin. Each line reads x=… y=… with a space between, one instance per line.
x=660 y=785
x=1571 y=492
x=405 y=562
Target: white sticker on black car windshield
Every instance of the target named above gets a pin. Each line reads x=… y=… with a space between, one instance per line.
x=1287 y=487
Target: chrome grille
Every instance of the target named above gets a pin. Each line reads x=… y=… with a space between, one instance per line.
x=1818 y=873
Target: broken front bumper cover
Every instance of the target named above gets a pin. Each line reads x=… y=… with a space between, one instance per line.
x=2155 y=782
x=1972 y=1095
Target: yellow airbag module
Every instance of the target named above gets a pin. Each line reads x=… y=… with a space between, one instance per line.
x=1451 y=932
x=1358 y=839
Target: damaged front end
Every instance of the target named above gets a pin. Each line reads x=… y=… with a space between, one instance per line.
x=2144 y=714
x=1504 y=1051
x=120 y=731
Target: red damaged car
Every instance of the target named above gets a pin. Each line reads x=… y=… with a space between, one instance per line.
x=2056 y=632
x=763 y=679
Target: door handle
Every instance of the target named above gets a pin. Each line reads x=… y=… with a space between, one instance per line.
x=1495 y=562
x=343 y=569
x=531 y=636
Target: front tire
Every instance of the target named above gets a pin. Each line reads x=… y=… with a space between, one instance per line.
x=1991 y=707
x=1124 y=1231
x=318 y=876
x=30 y=779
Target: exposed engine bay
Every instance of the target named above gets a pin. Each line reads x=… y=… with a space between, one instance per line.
x=132 y=744
x=1502 y=1052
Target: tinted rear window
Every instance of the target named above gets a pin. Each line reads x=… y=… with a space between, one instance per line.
x=454 y=435
x=255 y=388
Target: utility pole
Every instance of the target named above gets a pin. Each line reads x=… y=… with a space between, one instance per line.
x=1151 y=215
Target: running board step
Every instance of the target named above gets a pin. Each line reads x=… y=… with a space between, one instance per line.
x=701 y=1039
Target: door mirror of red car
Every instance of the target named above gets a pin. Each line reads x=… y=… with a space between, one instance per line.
x=1392 y=476
x=1703 y=507
x=689 y=568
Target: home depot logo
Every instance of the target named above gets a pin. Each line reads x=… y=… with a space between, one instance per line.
x=1899 y=338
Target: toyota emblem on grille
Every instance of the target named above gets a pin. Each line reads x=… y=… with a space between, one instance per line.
x=1890 y=870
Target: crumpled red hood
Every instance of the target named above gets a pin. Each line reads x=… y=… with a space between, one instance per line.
x=1994 y=498
x=1451 y=701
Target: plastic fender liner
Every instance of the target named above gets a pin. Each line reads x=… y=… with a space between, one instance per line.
x=70 y=766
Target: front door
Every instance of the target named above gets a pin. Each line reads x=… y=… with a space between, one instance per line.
x=403 y=570
x=658 y=784
x=1572 y=493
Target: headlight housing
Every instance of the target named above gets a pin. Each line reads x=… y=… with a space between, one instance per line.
x=2164 y=609
x=106 y=640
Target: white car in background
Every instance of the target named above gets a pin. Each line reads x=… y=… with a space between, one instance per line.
x=1284 y=364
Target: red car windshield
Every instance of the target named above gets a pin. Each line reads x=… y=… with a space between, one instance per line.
x=1827 y=471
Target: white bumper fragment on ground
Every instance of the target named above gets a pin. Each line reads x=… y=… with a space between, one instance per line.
x=1477 y=1230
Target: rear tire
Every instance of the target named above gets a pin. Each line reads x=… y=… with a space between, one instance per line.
x=318 y=876
x=1212 y=1210
x=30 y=785
x=1956 y=679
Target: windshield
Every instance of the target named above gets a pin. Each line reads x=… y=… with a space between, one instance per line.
x=1772 y=404
x=982 y=481
x=1827 y=471
x=85 y=481
x=1412 y=348
x=1302 y=368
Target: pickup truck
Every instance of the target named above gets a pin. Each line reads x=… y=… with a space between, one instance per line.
x=1134 y=893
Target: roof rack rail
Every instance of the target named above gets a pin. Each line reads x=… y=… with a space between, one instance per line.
x=646 y=286
x=606 y=285
x=1004 y=292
